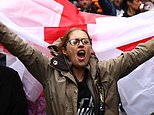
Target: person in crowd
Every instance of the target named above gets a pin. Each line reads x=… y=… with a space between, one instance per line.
x=133 y=7
x=118 y=7
x=12 y=98
x=86 y=6
x=108 y=7
x=74 y=80
x=112 y=8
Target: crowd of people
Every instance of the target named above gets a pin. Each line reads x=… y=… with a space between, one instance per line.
x=123 y=8
x=74 y=52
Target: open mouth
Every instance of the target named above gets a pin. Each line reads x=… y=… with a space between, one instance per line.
x=81 y=54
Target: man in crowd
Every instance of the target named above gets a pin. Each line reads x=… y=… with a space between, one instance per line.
x=86 y=6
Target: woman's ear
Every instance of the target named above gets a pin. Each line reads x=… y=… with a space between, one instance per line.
x=63 y=50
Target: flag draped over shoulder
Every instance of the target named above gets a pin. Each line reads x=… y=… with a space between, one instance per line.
x=41 y=22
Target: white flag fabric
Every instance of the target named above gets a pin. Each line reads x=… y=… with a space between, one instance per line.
x=40 y=22
x=137 y=90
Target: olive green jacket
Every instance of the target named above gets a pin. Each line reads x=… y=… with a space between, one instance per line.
x=60 y=87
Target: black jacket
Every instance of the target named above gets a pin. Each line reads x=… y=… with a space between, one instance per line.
x=12 y=96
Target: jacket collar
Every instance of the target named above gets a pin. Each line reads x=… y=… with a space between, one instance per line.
x=60 y=63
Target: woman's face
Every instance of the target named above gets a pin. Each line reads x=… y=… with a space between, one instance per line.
x=78 y=48
x=135 y=5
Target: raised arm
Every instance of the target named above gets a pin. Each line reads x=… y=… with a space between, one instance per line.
x=34 y=60
x=128 y=61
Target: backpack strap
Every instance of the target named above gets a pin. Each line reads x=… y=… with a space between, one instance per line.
x=101 y=92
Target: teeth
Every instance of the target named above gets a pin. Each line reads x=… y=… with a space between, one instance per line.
x=81 y=51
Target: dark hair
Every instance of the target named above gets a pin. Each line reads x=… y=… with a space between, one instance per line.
x=124 y=4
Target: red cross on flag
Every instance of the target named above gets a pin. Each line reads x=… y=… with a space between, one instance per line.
x=40 y=22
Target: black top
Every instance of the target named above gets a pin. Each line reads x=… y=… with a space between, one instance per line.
x=85 y=100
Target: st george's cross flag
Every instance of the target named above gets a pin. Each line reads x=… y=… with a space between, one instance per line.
x=41 y=22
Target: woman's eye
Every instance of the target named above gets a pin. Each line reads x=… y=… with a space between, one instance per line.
x=74 y=42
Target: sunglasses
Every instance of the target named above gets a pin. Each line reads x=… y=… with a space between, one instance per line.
x=77 y=41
